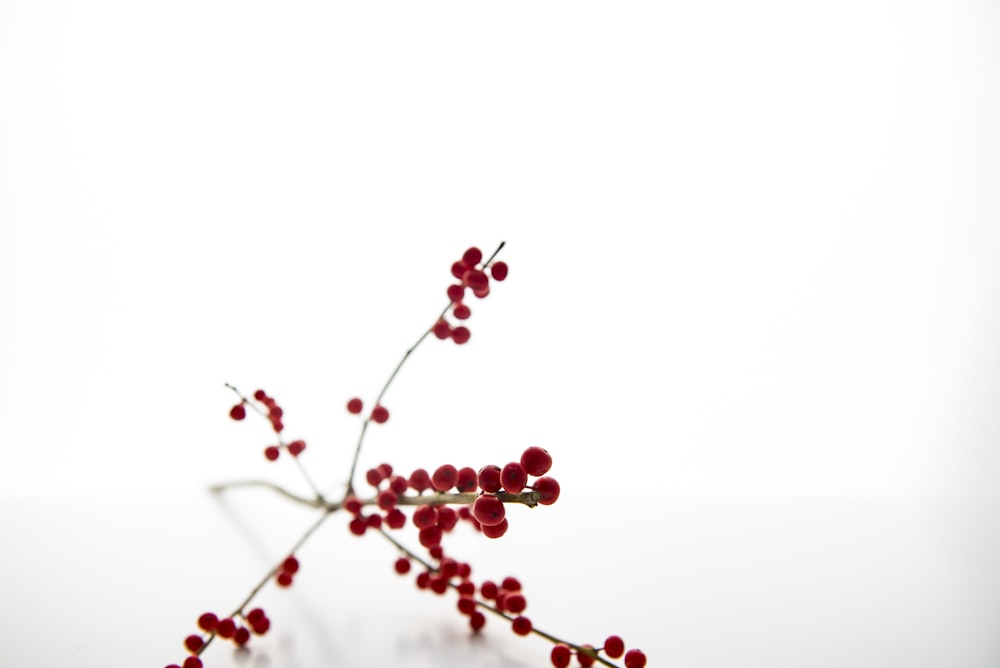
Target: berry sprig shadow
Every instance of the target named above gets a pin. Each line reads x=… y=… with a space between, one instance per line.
x=433 y=503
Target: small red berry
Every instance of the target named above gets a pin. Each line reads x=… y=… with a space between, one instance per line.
x=238 y=412
x=614 y=647
x=380 y=414
x=489 y=478
x=489 y=589
x=193 y=643
x=295 y=448
x=458 y=269
x=472 y=257
x=225 y=628
x=466 y=587
x=447 y=518
x=439 y=584
x=373 y=477
x=521 y=625
x=466 y=605
x=192 y=662
x=395 y=519
x=374 y=521
x=284 y=579
x=482 y=293
x=242 y=636
x=358 y=526
x=548 y=490
x=461 y=335
x=475 y=279
x=455 y=293
x=441 y=329
x=560 y=656
x=255 y=616
x=510 y=583
x=467 y=479
x=499 y=270
x=516 y=603
x=495 y=531
x=353 y=505
x=355 y=405
x=477 y=620
x=444 y=477
x=430 y=537
x=387 y=499
x=634 y=659
x=585 y=658
x=513 y=477
x=425 y=516
x=208 y=621
x=462 y=312
x=402 y=565
x=272 y=452
x=419 y=480
x=536 y=461
x=260 y=395
x=290 y=565
x=488 y=510
x=261 y=626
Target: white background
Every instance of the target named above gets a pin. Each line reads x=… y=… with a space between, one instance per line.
x=752 y=313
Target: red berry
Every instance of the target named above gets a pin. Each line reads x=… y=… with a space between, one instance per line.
x=472 y=257
x=439 y=584
x=295 y=448
x=423 y=580
x=634 y=659
x=488 y=510
x=444 y=477
x=466 y=587
x=387 y=499
x=447 y=518
x=614 y=647
x=425 y=516
x=238 y=412
x=430 y=537
x=192 y=662
x=441 y=329
x=402 y=565
x=272 y=452
x=395 y=519
x=477 y=620
x=461 y=311
x=420 y=480
x=261 y=626
x=380 y=414
x=255 y=616
x=353 y=505
x=495 y=531
x=385 y=470
x=455 y=293
x=207 y=622
x=398 y=484
x=516 y=603
x=585 y=658
x=489 y=478
x=513 y=477
x=436 y=552
x=374 y=477
x=374 y=521
x=476 y=280
x=560 y=656
x=466 y=605
x=193 y=643
x=358 y=526
x=489 y=589
x=355 y=405
x=461 y=335
x=548 y=490
x=260 y=395
x=499 y=270
x=510 y=583
x=225 y=628
x=458 y=269
x=242 y=636
x=284 y=579
x=521 y=625
x=467 y=479
x=290 y=565
x=482 y=292
x=536 y=461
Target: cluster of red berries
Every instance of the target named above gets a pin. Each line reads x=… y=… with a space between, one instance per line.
x=254 y=621
x=286 y=572
x=274 y=415
x=614 y=648
x=473 y=278
x=379 y=414
x=488 y=510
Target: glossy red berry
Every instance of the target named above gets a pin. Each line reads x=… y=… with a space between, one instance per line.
x=458 y=269
x=472 y=257
x=461 y=311
x=489 y=589
x=380 y=414
x=516 y=603
x=536 y=461
x=358 y=526
x=510 y=583
x=260 y=395
x=420 y=480
x=355 y=405
x=456 y=293
x=387 y=499
x=513 y=477
x=614 y=647
x=284 y=579
x=466 y=605
x=272 y=452
x=430 y=537
x=444 y=477
x=425 y=516
x=461 y=335
x=560 y=656
x=255 y=616
x=475 y=279
x=402 y=566
x=192 y=662
x=488 y=510
x=374 y=477
x=225 y=628
x=295 y=448
x=208 y=621
x=261 y=626
x=634 y=659
x=482 y=292
x=477 y=620
x=467 y=479
x=585 y=658
x=489 y=478
x=498 y=270
x=242 y=636
x=521 y=625
x=395 y=519
x=495 y=531
x=447 y=518
x=193 y=643
x=548 y=490
x=238 y=412
x=441 y=329
x=290 y=565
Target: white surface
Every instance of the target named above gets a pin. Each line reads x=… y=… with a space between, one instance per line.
x=753 y=256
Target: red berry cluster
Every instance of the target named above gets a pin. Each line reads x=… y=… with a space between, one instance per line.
x=488 y=510
x=274 y=411
x=229 y=628
x=471 y=277
x=586 y=655
x=379 y=414
x=286 y=571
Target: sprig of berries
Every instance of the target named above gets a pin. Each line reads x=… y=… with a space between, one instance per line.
x=434 y=503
